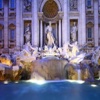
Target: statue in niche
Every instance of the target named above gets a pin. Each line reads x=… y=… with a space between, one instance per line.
x=27 y=5
x=74 y=32
x=27 y=33
x=49 y=35
x=73 y=4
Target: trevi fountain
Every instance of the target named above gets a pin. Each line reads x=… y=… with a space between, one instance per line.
x=49 y=50
x=69 y=62
x=50 y=72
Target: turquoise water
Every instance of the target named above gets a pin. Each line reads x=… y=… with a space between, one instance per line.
x=49 y=91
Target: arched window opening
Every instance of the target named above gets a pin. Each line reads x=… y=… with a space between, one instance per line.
x=89 y=31
x=12 y=32
x=1 y=32
x=12 y=4
x=89 y=3
x=1 y=4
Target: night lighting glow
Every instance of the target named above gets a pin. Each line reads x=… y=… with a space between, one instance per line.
x=6 y=82
x=93 y=85
x=76 y=81
x=39 y=82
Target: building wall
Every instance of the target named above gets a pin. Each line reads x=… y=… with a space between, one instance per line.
x=13 y=21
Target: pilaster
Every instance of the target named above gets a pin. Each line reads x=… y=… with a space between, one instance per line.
x=35 y=32
x=96 y=22
x=18 y=20
x=65 y=36
x=6 y=38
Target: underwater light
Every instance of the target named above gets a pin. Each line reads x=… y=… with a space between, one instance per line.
x=79 y=81
x=39 y=82
x=16 y=82
x=72 y=81
x=76 y=81
x=93 y=85
x=6 y=82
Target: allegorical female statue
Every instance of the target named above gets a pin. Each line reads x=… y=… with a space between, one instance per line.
x=49 y=35
x=27 y=33
x=74 y=32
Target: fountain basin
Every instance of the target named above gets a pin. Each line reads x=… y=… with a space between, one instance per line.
x=59 y=90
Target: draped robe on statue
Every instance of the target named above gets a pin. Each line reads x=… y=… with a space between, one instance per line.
x=50 y=36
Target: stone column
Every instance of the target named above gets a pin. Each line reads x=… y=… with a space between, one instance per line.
x=59 y=33
x=6 y=37
x=96 y=22
x=18 y=20
x=65 y=34
x=21 y=24
x=35 y=32
x=83 y=22
x=41 y=33
x=79 y=31
x=56 y=33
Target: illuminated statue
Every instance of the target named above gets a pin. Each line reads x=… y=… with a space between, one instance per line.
x=73 y=32
x=27 y=34
x=66 y=51
x=75 y=49
x=96 y=55
x=50 y=36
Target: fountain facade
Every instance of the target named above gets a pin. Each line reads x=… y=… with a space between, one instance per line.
x=50 y=62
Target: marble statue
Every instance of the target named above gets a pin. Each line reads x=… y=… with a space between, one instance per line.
x=75 y=49
x=27 y=5
x=50 y=37
x=73 y=32
x=46 y=48
x=96 y=55
x=27 y=33
x=66 y=51
x=28 y=53
x=74 y=55
x=26 y=49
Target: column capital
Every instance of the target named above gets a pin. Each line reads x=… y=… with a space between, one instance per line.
x=40 y=15
x=61 y=14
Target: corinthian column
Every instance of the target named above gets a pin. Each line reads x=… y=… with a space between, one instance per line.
x=18 y=32
x=59 y=33
x=83 y=22
x=96 y=22
x=65 y=34
x=41 y=34
x=6 y=24
x=35 y=32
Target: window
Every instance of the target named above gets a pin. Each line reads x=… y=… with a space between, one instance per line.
x=89 y=32
x=0 y=34
x=12 y=34
x=1 y=4
x=88 y=3
x=12 y=4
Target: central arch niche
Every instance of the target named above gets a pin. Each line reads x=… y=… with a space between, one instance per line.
x=50 y=9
